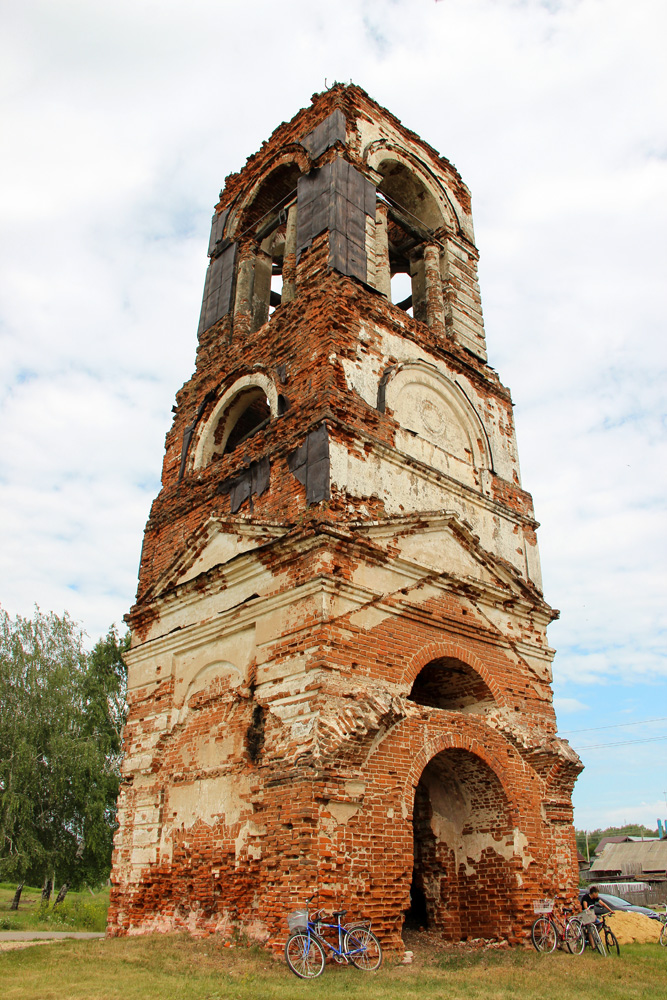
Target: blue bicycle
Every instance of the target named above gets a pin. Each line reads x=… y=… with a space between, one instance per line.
x=304 y=950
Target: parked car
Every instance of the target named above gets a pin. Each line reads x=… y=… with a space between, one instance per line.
x=616 y=903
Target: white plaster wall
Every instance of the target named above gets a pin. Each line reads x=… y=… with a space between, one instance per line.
x=226 y=656
x=405 y=490
x=378 y=348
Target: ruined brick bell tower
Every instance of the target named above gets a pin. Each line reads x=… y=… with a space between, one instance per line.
x=339 y=676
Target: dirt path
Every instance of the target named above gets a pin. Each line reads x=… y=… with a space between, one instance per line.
x=33 y=937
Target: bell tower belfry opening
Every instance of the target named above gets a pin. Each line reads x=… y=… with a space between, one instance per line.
x=339 y=677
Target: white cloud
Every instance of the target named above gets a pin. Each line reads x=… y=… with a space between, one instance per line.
x=632 y=811
x=635 y=813
x=569 y=705
x=122 y=121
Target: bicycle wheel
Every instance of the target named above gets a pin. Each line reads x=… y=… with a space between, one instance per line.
x=611 y=942
x=597 y=941
x=544 y=935
x=305 y=955
x=663 y=936
x=363 y=949
x=575 y=939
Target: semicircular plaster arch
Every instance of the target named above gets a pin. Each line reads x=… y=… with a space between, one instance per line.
x=217 y=670
x=431 y=406
x=206 y=445
x=438 y=650
x=380 y=150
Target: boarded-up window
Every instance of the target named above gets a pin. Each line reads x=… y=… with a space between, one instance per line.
x=324 y=135
x=217 y=233
x=338 y=198
x=217 y=288
x=253 y=481
x=310 y=464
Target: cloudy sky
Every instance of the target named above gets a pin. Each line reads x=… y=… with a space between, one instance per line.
x=119 y=124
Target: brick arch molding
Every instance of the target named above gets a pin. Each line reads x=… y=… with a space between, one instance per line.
x=293 y=153
x=383 y=149
x=204 y=446
x=435 y=650
x=455 y=741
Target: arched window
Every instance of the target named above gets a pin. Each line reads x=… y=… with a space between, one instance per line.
x=249 y=412
x=269 y=223
x=451 y=684
x=243 y=410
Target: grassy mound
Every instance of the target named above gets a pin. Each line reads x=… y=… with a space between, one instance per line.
x=177 y=967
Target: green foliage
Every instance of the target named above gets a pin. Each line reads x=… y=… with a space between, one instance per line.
x=79 y=914
x=595 y=836
x=82 y=911
x=61 y=715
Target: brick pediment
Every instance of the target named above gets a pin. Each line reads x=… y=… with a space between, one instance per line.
x=441 y=544
x=381 y=556
x=216 y=544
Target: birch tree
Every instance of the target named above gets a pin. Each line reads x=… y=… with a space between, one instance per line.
x=61 y=715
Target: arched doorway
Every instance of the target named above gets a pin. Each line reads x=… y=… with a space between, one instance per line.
x=464 y=867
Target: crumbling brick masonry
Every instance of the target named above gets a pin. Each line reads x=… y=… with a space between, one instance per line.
x=339 y=676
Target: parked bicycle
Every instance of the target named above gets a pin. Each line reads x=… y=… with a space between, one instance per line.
x=305 y=947
x=550 y=931
x=590 y=923
x=611 y=944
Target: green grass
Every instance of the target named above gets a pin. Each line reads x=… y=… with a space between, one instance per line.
x=176 y=967
x=80 y=911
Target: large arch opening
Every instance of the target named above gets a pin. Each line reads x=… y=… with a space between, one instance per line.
x=406 y=190
x=271 y=195
x=413 y=215
x=463 y=878
x=451 y=684
x=267 y=226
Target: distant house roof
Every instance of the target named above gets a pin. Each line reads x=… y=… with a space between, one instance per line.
x=635 y=858
x=609 y=840
x=619 y=839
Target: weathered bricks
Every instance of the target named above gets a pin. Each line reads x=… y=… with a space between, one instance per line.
x=351 y=694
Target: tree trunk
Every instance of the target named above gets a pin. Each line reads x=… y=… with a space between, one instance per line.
x=61 y=895
x=47 y=890
x=17 y=897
